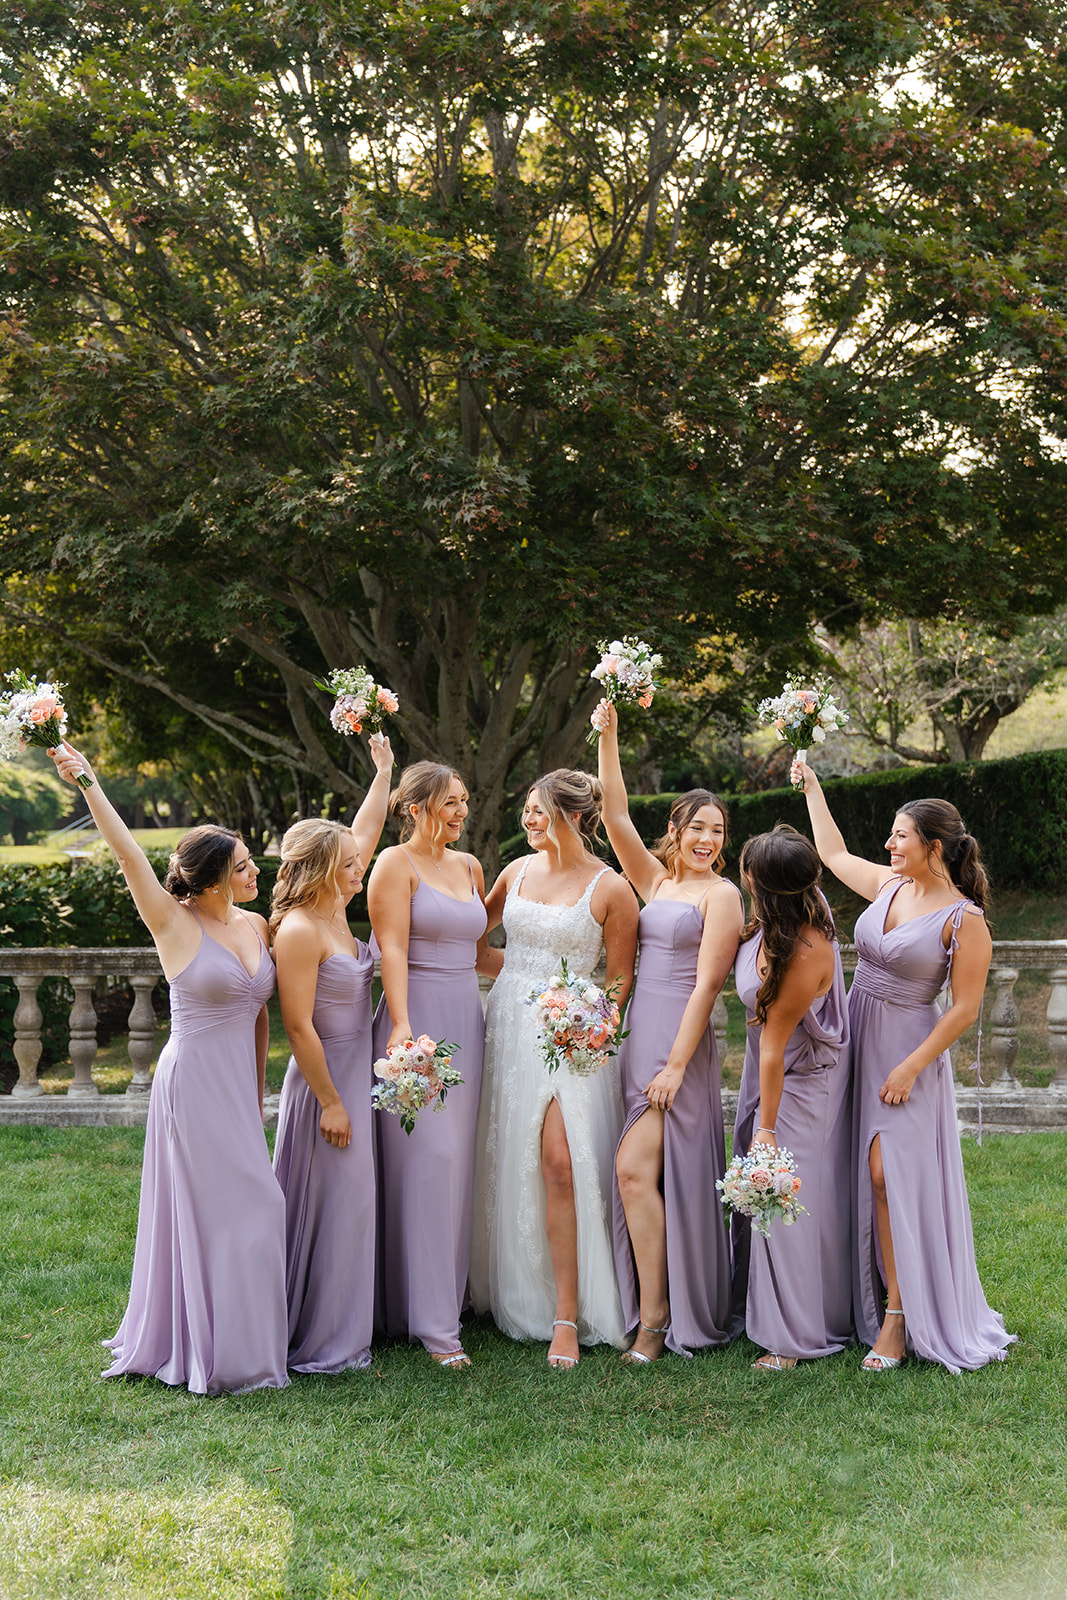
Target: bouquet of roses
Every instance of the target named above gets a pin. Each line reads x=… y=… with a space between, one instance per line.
x=413 y=1074
x=762 y=1185
x=32 y=713
x=625 y=669
x=803 y=715
x=577 y=1022
x=358 y=699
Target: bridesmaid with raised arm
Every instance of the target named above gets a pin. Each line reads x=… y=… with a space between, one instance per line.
x=324 y=1150
x=426 y=902
x=916 y=1283
x=672 y=1251
x=541 y=1259
x=207 y=1300
x=793 y=1289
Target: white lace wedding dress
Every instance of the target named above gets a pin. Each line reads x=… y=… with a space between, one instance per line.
x=511 y=1270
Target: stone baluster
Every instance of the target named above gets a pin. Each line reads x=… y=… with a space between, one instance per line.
x=82 y=1040
x=142 y=1043
x=719 y=1020
x=1004 y=1027
x=1057 y=1025
x=27 y=1038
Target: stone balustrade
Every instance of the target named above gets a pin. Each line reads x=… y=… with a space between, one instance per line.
x=1006 y=1103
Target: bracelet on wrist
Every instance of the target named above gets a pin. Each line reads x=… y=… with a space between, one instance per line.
x=761 y=1129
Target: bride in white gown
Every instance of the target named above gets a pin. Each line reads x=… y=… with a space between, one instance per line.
x=542 y=1259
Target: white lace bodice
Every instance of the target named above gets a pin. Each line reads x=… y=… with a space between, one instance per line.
x=539 y=935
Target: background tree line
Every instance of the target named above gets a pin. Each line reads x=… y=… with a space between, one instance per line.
x=452 y=338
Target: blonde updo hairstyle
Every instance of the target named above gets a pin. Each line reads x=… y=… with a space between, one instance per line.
x=203 y=861
x=311 y=855
x=565 y=794
x=683 y=811
x=424 y=785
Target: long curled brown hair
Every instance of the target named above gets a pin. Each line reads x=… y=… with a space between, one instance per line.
x=939 y=821
x=682 y=813
x=782 y=870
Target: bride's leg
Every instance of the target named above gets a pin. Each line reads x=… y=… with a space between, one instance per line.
x=639 y=1166
x=890 y=1340
x=561 y=1226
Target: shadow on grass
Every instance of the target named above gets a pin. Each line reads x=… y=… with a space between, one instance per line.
x=693 y=1478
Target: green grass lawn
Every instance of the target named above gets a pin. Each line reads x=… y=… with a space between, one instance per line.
x=691 y=1479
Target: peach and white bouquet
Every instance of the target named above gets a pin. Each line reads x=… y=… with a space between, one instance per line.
x=414 y=1074
x=762 y=1185
x=358 y=700
x=626 y=670
x=32 y=713
x=577 y=1022
x=803 y=714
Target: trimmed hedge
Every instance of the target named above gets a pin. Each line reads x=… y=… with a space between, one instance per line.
x=1016 y=809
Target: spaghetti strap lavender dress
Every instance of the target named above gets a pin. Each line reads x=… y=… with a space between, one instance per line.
x=426 y=1178
x=207 y=1300
x=330 y=1194
x=698 y=1247
x=892 y=1005
x=793 y=1290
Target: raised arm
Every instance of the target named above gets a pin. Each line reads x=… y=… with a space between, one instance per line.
x=865 y=877
x=723 y=922
x=636 y=860
x=369 y=820
x=297 y=952
x=159 y=911
x=389 y=894
x=970 y=968
x=809 y=974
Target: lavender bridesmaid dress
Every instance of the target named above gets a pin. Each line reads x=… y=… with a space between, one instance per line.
x=207 y=1300
x=892 y=1005
x=698 y=1249
x=330 y=1207
x=426 y=1177
x=793 y=1290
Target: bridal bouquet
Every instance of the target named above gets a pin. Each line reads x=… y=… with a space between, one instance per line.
x=577 y=1023
x=358 y=700
x=625 y=669
x=413 y=1074
x=803 y=716
x=762 y=1185
x=32 y=713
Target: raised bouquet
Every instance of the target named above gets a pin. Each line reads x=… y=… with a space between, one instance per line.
x=803 y=714
x=358 y=700
x=577 y=1023
x=32 y=713
x=414 y=1074
x=762 y=1185
x=625 y=670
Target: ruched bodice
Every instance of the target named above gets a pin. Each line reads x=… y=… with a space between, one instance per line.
x=906 y=965
x=539 y=935
x=215 y=990
x=343 y=995
x=444 y=931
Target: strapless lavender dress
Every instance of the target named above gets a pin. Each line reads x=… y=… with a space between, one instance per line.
x=698 y=1249
x=892 y=1007
x=793 y=1290
x=207 y=1300
x=330 y=1205
x=426 y=1178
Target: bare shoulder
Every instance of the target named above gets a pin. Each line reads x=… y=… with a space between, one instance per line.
x=476 y=871
x=614 y=893
x=296 y=930
x=258 y=922
x=724 y=899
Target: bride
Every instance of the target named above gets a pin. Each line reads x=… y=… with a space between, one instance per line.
x=542 y=1258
